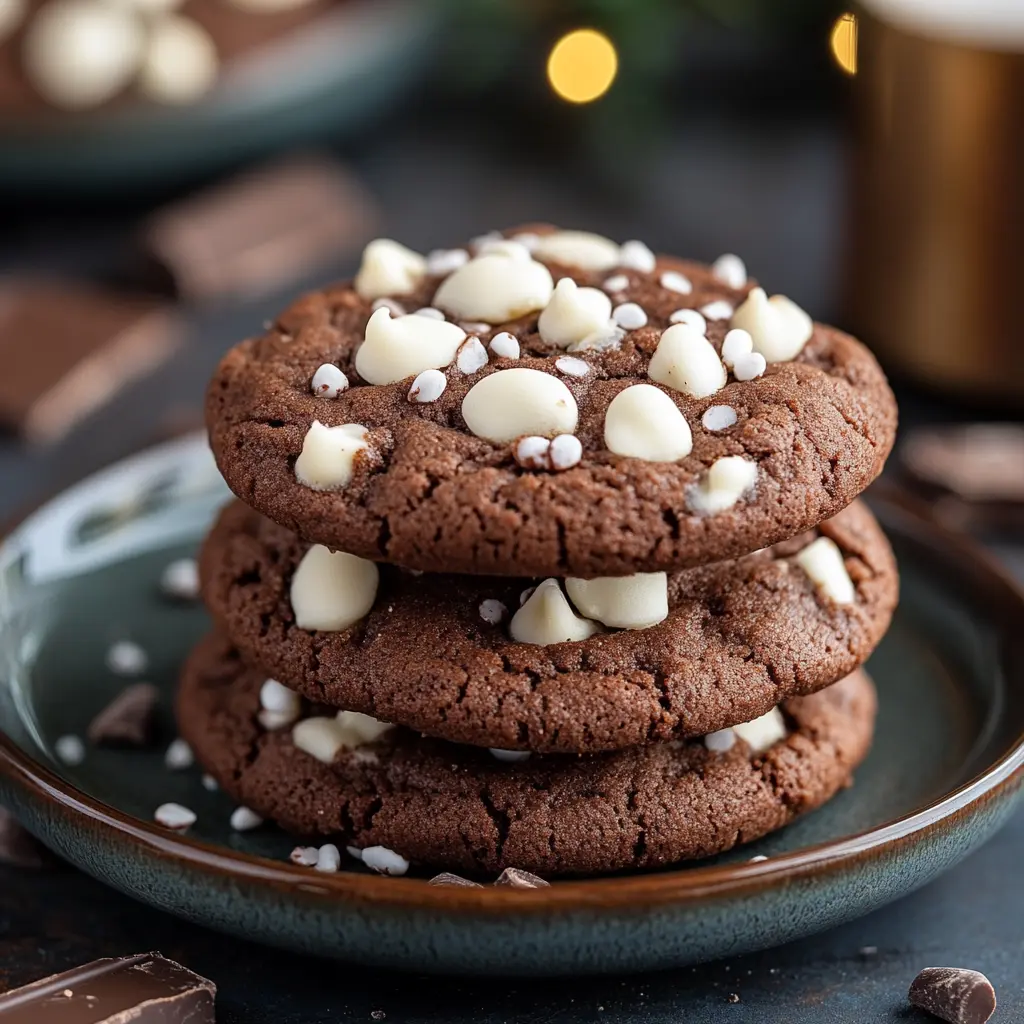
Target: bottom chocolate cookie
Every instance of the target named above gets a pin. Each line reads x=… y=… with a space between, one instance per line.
x=462 y=808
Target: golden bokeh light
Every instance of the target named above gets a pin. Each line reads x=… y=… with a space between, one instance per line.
x=582 y=65
x=843 y=41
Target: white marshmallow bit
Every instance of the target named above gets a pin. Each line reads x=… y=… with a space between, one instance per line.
x=546 y=617
x=332 y=590
x=180 y=63
x=304 y=856
x=70 y=750
x=676 y=282
x=565 y=452
x=739 y=356
x=496 y=287
x=11 y=14
x=328 y=859
x=637 y=256
x=384 y=861
x=179 y=756
x=445 y=261
x=763 y=732
x=824 y=564
x=275 y=696
x=578 y=249
x=127 y=658
x=511 y=403
x=400 y=347
x=571 y=366
x=492 y=611
x=327 y=459
x=180 y=579
x=630 y=316
x=428 y=387
x=532 y=452
x=718 y=417
x=388 y=268
x=721 y=741
x=616 y=283
x=727 y=480
x=509 y=756
x=245 y=820
x=642 y=422
x=328 y=382
x=730 y=270
x=778 y=326
x=720 y=309
x=175 y=817
x=625 y=602
x=573 y=314
x=505 y=345
x=686 y=361
x=691 y=317
x=472 y=356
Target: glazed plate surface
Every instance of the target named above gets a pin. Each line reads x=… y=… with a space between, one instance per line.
x=84 y=571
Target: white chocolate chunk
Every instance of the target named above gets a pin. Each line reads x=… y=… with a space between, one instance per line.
x=384 y=861
x=509 y=756
x=571 y=366
x=11 y=14
x=686 y=361
x=823 y=562
x=778 y=326
x=763 y=732
x=510 y=403
x=637 y=256
x=573 y=313
x=505 y=345
x=444 y=261
x=630 y=316
x=428 y=387
x=625 y=602
x=324 y=738
x=739 y=355
x=245 y=820
x=547 y=618
x=721 y=741
x=328 y=381
x=727 y=480
x=328 y=859
x=359 y=729
x=565 y=452
x=730 y=269
x=332 y=590
x=691 y=317
x=400 y=347
x=328 y=455
x=673 y=281
x=387 y=269
x=180 y=63
x=578 y=249
x=275 y=696
x=532 y=452
x=492 y=611
x=175 y=817
x=720 y=309
x=179 y=756
x=643 y=422
x=472 y=356
x=718 y=417
x=496 y=287
x=304 y=856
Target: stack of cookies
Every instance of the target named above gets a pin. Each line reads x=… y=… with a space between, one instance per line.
x=547 y=557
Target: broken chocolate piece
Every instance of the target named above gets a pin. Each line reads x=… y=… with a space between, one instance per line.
x=129 y=720
x=142 y=989
x=447 y=878
x=954 y=994
x=516 y=878
x=18 y=848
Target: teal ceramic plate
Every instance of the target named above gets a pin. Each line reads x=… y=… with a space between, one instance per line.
x=83 y=572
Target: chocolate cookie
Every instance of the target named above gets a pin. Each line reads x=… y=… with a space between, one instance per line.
x=435 y=654
x=458 y=808
x=447 y=464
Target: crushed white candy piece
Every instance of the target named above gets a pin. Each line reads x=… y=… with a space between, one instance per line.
x=824 y=564
x=509 y=756
x=275 y=696
x=691 y=317
x=304 y=856
x=739 y=356
x=354 y=851
x=637 y=256
x=687 y=362
x=571 y=366
x=492 y=611
x=70 y=750
x=384 y=861
x=496 y=287
x=175 y=817
x=607 y=338
x=180 y=63
x=630 y=316
x=727 y=480
x=327 y=459
x=394 y=348
x=623 y=602
x=245 y=820
x=676 y=282
x=332 y=590
x=720 y=309
x=763 y=732
x=328 y=859
x=573 y=313
x=546 y=617
x=392 y=305
x=429 y=312
x=510 y=403
x=472 y=356
x=328 y=381
x=578 y=249
x=718 y=417
x=778 y=326
x=505 y=345
x=427 y=387
x=444 y=261
x=532 y=452
x=565 y=452
x=388 y=268
x=209 y=783
x=730 y=270
x=721 y=741
x=180 y=579
x=274 y=720
x=179 y=756
x=642 y=422
x=126 y=658
x=616 y=283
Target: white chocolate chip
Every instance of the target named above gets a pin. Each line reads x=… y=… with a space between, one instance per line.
x=327 y=459
x=637 y=256
x=400 y=347
x=384 y=861
x=180 y=63
x=332 y=590
x=245 y=820
x=532 y=452
x=691 y=317
x=686 y=361
x=328 y=859
x=778 y=326
x=573 y=313
x=676 y=282
x=616 y=283
x=472 y=356
x=428 y=387
x=509 y=756
x=739 y=356
x=180 y=580
x=360 y=729
x=179 y=756
x=430 y=312
x=304 y=856
x=70 y=750
x=495 y=288
x=630 y=316
x=565 y=452
x=275 y=696
x=11 y=14
x=718 y=417
x=642 y=422
x=328 y=381
x=720 y=309
x=505 y=345
x=730 y=269
x=546 y=617
x=387 y=269
x=175 y=817
x=396 y=308
x=727 y=480
x=81 y=53
x=625 y=602
x=492 y=611
x=127 y=658
x=763 y=732
x=750 y=366
x=578 y=249
x=445 y=261
x=274 y=720
x=509 y=247
x=526 y=595
x=824 y=564
x=510 y=403
x=571 y=366
x=721 y=741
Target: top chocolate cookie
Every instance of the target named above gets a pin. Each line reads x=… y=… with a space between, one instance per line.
x=548 y=403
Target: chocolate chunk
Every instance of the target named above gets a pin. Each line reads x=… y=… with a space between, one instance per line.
x=954 y=994
x=982 y=462
x=259 y=231
x=129 y=720
x=141 y=989
x=67 y=348
x=447 y=878
x=17 y=846
x=516 y=878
